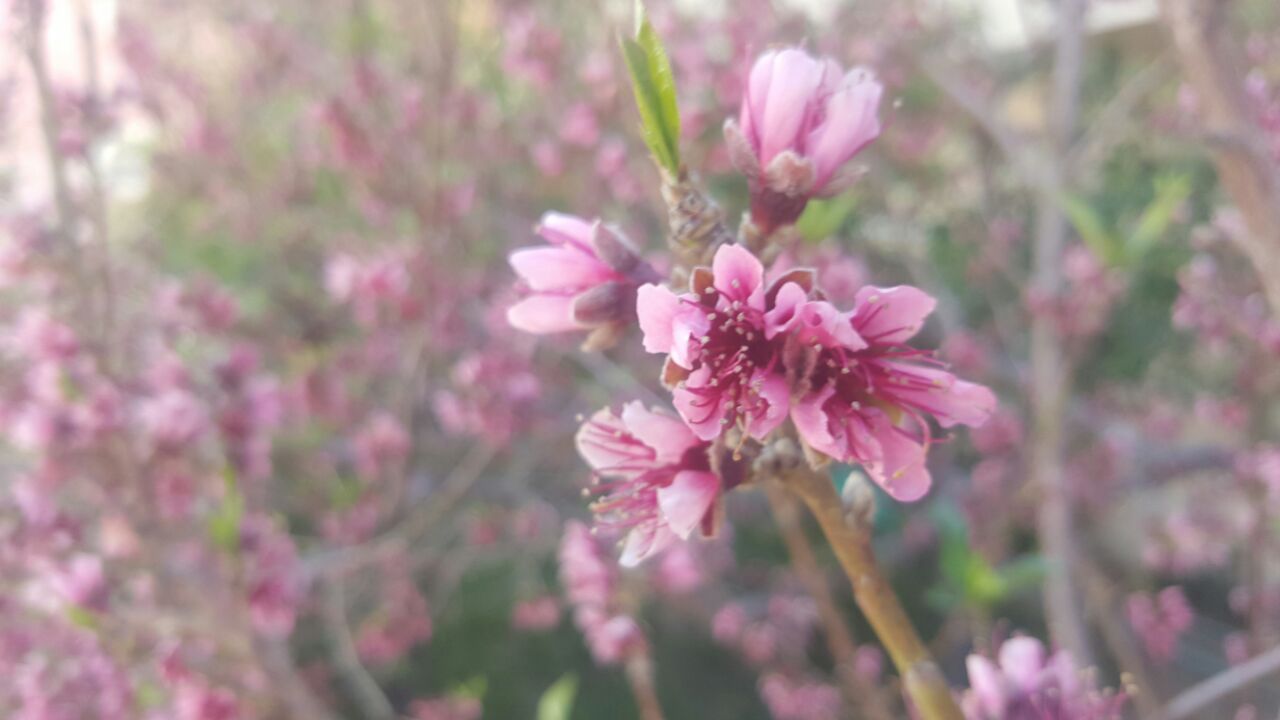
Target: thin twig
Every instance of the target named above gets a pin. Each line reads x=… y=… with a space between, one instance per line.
x=639 y=671
x=1050 y=374
x=373 y=703
x=858 y=692
x=1195 y=699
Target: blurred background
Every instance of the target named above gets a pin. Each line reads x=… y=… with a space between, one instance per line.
x=270 y=449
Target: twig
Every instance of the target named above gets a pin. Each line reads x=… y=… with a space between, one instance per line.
x=1050 y=374
x=1195 y=699
x=858 y=692
x=639 y=671
x=1119 y=639
x=1208 y=58
x=921 y=678
x=369 y=697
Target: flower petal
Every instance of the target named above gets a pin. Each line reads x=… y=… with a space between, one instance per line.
x=850 y=122
x=667 y=434
x=891 y=315
x=688 y=499
x=559 y=268
x=702 y=413
x=776 y=393
x=656 y=308
x=738 y=274
x=645 y=541
x=562 y=229
x=901 y=468
x=793 y=82
x=813 y=425
x=987 y=686
x=1022 y=661
x=541 y=314
x=785 y=307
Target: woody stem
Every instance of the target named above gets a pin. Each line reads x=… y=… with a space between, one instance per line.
x=859 y=692
x=921 y=678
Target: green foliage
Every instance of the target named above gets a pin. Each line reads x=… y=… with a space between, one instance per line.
x=823 y=218
x=557 y=702
x=1123 y=249
x=224 y=522
x=969 y=580
x=655 y=90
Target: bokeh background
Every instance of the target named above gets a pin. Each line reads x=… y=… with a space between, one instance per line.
x=270 y=449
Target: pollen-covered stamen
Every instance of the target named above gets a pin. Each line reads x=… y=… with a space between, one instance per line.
x=733 y=349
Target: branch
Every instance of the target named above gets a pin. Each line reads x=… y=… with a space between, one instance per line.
x=1050 y=374
x=1198 y=697
x=373 y=703
x=850 y=539
x=858 y=692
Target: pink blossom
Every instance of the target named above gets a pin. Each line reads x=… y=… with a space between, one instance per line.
x=654 y=478
x=725 y=370
x=789 y=699
x=1026 y=683
x=1160 y=621
x=584 y=279
x=173 y=418
x=590 y=584
x=802 y=121
x=866 y=388
x=579 y=126
x=381 y=444
x=541 y=613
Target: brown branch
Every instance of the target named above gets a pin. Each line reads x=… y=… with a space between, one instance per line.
x=851 y=542
x=858 y=691
x=639 y=671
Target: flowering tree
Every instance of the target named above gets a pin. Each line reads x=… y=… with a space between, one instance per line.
x=282 y=438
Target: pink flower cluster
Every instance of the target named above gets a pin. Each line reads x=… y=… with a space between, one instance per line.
x=1027 y=683
x=1160 y=621
x=590 y=585
x=745 y=355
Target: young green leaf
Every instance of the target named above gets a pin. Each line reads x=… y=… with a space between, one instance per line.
x=1089 y=224
x=655 y=91
x=557 y=702
x=1171 y=191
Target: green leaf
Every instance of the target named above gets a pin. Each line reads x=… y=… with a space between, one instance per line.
x=823 y=218
x=1171 y=190
x=1089 y=224
x=224 y=522
x=1023 y=572
x=557 y=702
x=82 y=617
x=655 y=90
x=474 y=688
